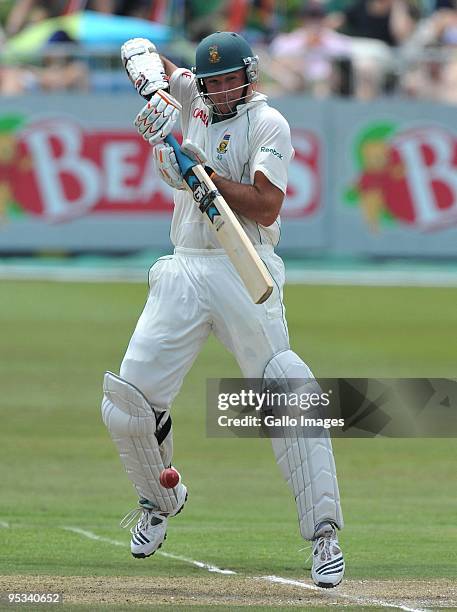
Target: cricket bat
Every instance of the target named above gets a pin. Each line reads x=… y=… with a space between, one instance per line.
x=226 y=226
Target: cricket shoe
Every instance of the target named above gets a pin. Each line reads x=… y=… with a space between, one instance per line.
x=328 y=561
x=150 y=531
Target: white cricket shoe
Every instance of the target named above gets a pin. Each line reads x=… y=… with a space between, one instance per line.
x=150 y=531
x=148 y=534
x=328 y=562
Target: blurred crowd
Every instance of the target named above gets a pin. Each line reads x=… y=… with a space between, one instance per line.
x=360 y=48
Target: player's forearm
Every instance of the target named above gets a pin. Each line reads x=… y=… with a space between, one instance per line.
x=250 y=200
x=168 y=65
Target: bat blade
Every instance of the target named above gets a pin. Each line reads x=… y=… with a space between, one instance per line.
x=226 y=226
x=232 y=237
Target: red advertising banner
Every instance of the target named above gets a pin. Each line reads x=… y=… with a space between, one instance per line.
x=57 y=170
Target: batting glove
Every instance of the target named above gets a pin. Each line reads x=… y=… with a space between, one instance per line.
x=193 y=151
x=156 y=120
x=144 y=66
x=167 y=166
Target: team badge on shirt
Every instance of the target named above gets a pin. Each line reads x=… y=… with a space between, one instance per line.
x=224 y=143
x=214 y=56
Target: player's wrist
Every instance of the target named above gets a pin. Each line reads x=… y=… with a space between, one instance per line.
x=153 y=90
x=210 y=172
x=148 y=89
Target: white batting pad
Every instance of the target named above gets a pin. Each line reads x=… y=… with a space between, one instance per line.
x=307 y=463
x=135 y=428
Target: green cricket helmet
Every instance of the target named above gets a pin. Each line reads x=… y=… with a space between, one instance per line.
x=224 y=52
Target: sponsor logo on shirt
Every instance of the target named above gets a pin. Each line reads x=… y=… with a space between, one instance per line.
x=224 y=143
x=199 y=113
x=273 y=151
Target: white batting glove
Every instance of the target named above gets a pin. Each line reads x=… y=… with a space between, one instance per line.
x=167 y=166
x=144 y=66
x=193 y=151
x=157 y=118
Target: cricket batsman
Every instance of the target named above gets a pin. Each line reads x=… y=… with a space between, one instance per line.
x=245 y=146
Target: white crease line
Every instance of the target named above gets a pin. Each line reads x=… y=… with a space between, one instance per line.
x=337 y=594
x=4 y=524
x=93 y=536
x=207 y=566
x=275 y=579
x=200 y=564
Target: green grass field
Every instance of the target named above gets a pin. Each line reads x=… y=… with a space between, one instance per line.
x=59 y=468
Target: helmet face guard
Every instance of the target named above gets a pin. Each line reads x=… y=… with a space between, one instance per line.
x=222 y=53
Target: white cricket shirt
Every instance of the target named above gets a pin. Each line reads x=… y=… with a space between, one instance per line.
x=257 y=138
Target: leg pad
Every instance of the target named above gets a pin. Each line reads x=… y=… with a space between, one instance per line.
x=143 y=437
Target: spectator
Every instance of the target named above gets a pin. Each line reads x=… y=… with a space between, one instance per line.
x=305 y=59
x=203 y=17
x=142 y=9
x=259 y=22
x=58 y=72
x=390 y=21
x=25 y=12
x=18 y=80
x=431 y=58
x=376 y=28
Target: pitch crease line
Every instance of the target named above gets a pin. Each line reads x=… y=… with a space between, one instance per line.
x=274 y=579
x=339 y=595
x=93 y=536
x=207 y=566
x=200 y=564
x=4 y=524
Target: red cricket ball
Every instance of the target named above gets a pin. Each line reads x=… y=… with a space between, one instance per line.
x=169 y=478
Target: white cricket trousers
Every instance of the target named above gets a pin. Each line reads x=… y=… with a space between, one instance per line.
x=191 y=294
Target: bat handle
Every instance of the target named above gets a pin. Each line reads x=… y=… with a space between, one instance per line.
x=184 y=161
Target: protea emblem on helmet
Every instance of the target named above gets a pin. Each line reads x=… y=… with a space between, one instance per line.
x=214 y=56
